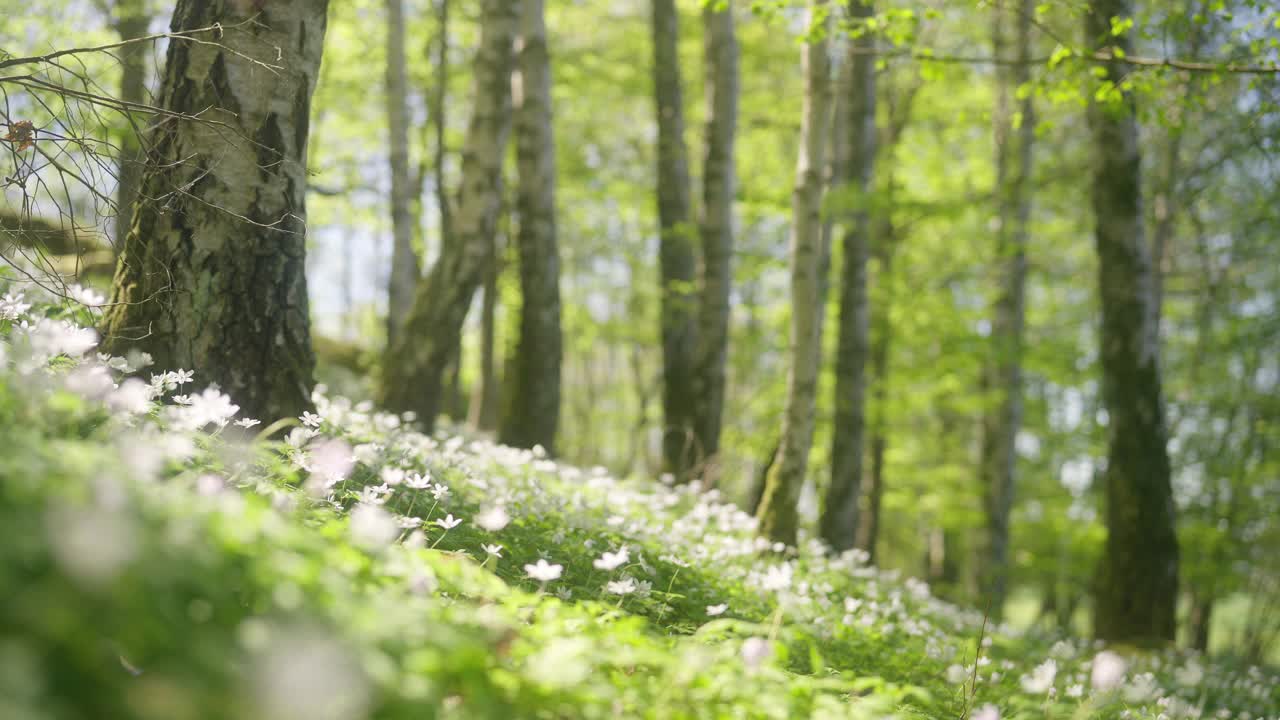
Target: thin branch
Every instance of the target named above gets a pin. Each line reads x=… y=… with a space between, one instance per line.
x=219 y=28
x=1100 y=56
x=31 y=82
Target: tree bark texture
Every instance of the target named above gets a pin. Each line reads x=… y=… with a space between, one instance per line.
x=719 y=185
x=533 y=409
x=839 y=520
x=454 y=404
x=1002 y=374
x=1199 y=621
x=676 y=259
x=404 y=261
x=212 y=276
x=440 y=121
x=881 y=336
x=883 y=245
x=778 y=513
x=131 y=21
x=483 y=410
x=414 y=371
x=1138 y=581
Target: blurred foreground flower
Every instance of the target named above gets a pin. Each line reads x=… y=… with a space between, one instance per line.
x=543 y=571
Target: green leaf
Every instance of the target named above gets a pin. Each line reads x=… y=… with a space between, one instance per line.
x=1060 y=53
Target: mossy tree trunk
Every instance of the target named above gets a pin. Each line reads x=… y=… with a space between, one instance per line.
x=677 y=264
x=414 y=370
x=1137 y=590
x=212 y=276
x=777 y=512
x=840 y=511
x=881 y=337
x=719 y=183
x=534 y=398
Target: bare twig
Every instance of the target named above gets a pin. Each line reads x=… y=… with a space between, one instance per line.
x=1100 y=56
x=184 y=35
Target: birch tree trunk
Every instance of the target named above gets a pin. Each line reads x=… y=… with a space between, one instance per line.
x=212 y=277
x=719 y=184
x=440 y=121
x=838 y=154
x=454 y=403
x=777 y=513
x=404 y=261
x=483 y=410
x=413 y=374
x=534 y=396
x=131 y=21
x=1002 y=375
x=839 y=520
x=1137 y=589
x=676 y=257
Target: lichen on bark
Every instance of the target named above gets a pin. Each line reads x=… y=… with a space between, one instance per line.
x=213 y=273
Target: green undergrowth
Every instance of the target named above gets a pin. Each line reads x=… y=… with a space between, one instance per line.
x=163 y=562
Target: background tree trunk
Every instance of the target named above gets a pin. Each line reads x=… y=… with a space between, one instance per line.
x=534 y=398
x=414 y=371
x=1167 y=200
x=1199 y=620
x=404 y=261
x=1002 y=375
x=719 y=185
x=898 y=102
x=1138 y=583
x=839 y=521
x=131 y=21
x=882 y=333
x=212 y=276
x=756 y=492
x=676 y=257
x=439 y=99
x=778 y=512
x=454 y=403
x=483 y=410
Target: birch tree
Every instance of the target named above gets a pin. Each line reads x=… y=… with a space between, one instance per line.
x=777 y=512
x=212 y=276
x=413 y=372
x=404 y=261
x=453 y=403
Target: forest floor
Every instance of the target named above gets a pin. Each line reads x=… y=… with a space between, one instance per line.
x=165 y=560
